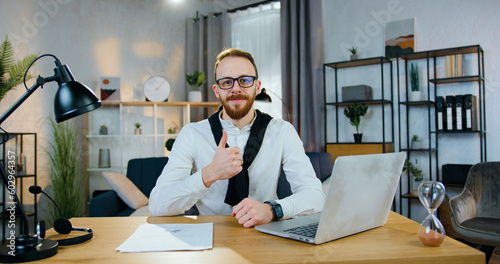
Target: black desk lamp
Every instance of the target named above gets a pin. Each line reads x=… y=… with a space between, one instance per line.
x=264 y=97
x=72 y=99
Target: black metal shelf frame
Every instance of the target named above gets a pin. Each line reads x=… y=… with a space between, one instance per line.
x=19 y=139
x=383 y=101
x=434 y=82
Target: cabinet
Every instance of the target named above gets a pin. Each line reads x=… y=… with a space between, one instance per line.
x=155 y=118
x=377 y=125
x=419 y=116
x=20 y=148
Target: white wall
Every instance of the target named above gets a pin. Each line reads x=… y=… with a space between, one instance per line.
x=439 y=24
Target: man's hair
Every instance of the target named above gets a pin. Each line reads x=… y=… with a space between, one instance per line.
x=237 y=53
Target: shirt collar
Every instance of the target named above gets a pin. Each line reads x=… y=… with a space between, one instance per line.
x=228 y=125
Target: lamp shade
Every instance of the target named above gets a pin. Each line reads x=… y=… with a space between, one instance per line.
x=263 y=96
x=73 y=99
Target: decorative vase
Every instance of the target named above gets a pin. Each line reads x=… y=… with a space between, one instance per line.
x=104 y=158
x=358 y=137
x=194 y=96
x=414 y=185
x=415 y=96
x=103 y=131
x=415 y=144
x=354 y=56
x=137 y=131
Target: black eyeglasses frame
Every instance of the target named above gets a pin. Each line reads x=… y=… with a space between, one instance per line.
x=236 y=80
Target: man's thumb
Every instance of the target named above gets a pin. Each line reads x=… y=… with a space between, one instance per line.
x=223 y=140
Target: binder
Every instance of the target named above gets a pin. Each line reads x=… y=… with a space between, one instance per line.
x=458 y=104
x=440 y=113
x=470 y=112
x=450 y=113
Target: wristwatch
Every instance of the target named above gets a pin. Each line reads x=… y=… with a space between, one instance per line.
x=276 y=208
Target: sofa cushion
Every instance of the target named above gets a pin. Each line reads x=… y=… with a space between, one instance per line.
x=126 y=190
x=143 y=172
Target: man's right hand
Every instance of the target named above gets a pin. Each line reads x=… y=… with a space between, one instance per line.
x=227 y=162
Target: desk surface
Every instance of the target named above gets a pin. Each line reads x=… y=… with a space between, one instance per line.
x=395 y=242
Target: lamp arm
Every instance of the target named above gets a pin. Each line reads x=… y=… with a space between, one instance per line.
x=283 y=102
x=39 y=82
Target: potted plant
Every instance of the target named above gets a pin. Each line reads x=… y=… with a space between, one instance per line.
x=415 y=142
x=416 y=172
x=169 y=144
x=12 y=72
x=354 y=53
x=103 y=130
x=196 y=80
x=66 y=171
x=172 y=128
x=354 y=112
x=137 y=130
x=415 y=94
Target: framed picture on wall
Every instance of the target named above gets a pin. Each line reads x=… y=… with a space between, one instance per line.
x=109 y=88
x=399 y=37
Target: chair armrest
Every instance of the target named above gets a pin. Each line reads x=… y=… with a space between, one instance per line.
x=106 y=204
x=463 y=207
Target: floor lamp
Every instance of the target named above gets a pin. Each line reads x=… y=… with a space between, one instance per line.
x=72 y=99
x=264 y=97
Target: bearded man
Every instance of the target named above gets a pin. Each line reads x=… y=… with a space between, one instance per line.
x=229 y=164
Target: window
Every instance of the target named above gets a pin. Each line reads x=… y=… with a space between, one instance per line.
x=257 y=30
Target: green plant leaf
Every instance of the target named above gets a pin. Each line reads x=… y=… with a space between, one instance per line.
x=354 y=112
x=6 y=55
x=196 y=79
x=66 y=177
x=12 y=72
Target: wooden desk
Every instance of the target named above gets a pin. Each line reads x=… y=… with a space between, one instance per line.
x=395 y=242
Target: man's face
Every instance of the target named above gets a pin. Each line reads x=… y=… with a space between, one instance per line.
x=237 y=101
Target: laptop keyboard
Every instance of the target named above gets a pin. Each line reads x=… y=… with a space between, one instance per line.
x=305 y=230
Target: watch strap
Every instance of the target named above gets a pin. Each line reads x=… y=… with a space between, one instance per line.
x=276 y=209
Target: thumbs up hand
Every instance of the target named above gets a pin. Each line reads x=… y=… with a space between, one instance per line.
x=227 y=162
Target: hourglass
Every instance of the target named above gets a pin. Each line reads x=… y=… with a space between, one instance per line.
x=431 y=231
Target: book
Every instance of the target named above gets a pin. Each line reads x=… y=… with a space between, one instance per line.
x=470 y=112
x=440 y=113
x=450 y=113
x=458 y=105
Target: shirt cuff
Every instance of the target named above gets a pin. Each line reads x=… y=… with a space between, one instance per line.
x=286 y=207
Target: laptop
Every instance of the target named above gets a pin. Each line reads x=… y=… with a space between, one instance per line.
x=359 y=198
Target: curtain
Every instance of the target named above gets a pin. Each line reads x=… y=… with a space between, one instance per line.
x=257 y=30
x=205 y=39
x=302 y=69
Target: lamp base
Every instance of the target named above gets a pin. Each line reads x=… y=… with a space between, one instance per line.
x=12 y=254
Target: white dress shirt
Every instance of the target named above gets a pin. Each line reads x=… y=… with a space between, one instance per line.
x=180 y=185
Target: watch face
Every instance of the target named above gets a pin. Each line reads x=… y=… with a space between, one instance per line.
x=279 y=211
x=157 y=89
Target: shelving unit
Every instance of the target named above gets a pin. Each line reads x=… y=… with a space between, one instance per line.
x=377 y=74
x=411 y=112
x=120 y=117
x=20 y=148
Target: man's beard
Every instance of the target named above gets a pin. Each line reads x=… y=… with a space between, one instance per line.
x=240 y=110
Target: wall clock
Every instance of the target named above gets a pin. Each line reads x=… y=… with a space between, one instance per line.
x=156 y=89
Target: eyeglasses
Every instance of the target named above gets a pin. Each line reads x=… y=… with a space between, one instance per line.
x=227 y=83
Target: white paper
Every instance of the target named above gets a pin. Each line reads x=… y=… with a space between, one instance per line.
x=169 y=237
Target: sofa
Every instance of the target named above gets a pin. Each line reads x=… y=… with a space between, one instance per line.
x=144 y=172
